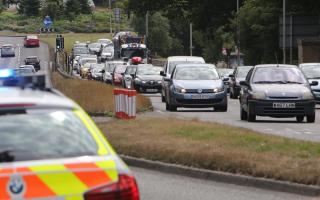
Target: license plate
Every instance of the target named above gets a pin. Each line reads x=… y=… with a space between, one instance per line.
x=152 y=90
x=284 y=105
x=199 y=96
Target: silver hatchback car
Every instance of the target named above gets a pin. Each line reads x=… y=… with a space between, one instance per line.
x=7 y=50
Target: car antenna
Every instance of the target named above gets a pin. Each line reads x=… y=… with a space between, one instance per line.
x=275 y=54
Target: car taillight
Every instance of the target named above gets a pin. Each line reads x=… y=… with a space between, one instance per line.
x=125 y=189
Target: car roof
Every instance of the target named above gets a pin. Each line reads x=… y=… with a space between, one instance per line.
x=32 y=57
x=195 y=65
x=309 y=64
x=275 y=65
x=7 y=45
x=38 y=98
x=26 y=66
x=185 y=58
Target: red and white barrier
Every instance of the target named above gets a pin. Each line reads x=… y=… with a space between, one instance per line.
x=125 y=103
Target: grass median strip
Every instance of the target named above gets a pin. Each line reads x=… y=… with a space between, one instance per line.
x=216 y=147
x=95 y=97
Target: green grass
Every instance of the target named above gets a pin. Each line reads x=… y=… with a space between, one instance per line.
x=71 y=38
x=216 y=147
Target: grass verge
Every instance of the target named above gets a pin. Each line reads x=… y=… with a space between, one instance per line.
x=71 y=38
x=216 y=147
x=94 y=97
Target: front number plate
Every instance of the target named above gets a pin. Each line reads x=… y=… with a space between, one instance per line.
x=200 y=96
x=284 y=105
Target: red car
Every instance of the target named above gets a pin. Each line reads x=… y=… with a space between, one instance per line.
x=117 y=74
x=31 y=41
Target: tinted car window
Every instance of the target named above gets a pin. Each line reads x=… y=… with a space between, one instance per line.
x=311 y=71
x=196 y=73
x=242 y=72
x=278 y=75
x=44 y=134
x=32 y=60
x=173 y=64
x=148 y=70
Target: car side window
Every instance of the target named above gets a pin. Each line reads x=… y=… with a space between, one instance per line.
x=248 y=77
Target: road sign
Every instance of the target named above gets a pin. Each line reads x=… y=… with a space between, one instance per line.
x=117 y=15
x=47 y=22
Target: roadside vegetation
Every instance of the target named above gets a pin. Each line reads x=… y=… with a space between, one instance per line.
x=71 y=38
x=94 y=97
x=216 y=147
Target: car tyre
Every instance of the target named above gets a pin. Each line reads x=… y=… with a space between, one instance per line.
x=300 y=118
x=243 y=114
x=163 y=99
x=231 y=94
x=251 y=116
x=311 y=118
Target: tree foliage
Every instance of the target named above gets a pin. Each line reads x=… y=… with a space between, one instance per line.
x=29 y=7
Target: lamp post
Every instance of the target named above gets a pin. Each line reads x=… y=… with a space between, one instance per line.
x=238 y=35
x=110 y=8
x=284 y=31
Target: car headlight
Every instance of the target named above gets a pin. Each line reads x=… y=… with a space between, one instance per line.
x=180 y=89
x=159 y=82
x=307 y=95
x=258 y=95
x=143 y=82
x=216 y=90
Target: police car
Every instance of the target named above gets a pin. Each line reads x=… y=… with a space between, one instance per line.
x=51 y=149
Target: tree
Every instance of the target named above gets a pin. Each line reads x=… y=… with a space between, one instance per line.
x=72 y=8
x=29 y=7
x=84 y=7
x=53 y=8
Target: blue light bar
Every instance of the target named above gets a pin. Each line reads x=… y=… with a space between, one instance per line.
x=6 y=73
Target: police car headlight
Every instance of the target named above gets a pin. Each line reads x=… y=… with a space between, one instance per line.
x=258 y=95
x=307 y=95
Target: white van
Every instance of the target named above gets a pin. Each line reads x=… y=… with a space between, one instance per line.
x=171 y=63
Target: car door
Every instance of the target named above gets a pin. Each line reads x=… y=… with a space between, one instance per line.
x=164 y=83
x=245 y=91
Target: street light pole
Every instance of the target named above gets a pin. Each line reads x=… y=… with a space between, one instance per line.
x=284 y=31
x=110 y=16
x=238 y=35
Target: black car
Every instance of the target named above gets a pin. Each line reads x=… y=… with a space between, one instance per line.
x=277 y=91
x=238 y=75
x=33 y=60
x=147 y=79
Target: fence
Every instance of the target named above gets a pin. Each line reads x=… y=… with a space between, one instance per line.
x=125 y=103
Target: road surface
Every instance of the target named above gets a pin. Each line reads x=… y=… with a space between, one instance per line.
x=286 y=127
x=155 y=185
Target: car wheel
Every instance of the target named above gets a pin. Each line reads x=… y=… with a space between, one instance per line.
x=251 y=116
x=231 y=94
x=243 y=114
x=163 y=99
x=311 y=118
x=167 y=107
x=300 y=118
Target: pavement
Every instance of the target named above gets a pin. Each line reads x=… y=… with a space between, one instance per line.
x=286 y=127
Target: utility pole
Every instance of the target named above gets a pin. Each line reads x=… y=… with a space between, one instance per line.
x=191 y=45
x=110 y=8
x=147 y=27
x=238 y=35
x=284 y=31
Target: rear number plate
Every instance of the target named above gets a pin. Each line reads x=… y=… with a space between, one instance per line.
x=284 y=105
x=152 y=90
x=199 y=96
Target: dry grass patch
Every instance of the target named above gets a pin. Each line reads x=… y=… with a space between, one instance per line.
x=95 y=97
x=71 y=38
x=216 y=147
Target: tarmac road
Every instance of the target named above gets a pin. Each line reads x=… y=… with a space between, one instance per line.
x=155 y=185
x=21 y=53
x=286 y=127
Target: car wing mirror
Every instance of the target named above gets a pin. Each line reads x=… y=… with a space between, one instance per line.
x=162 y=73
x=314 y=83
x=103 y=71
x=167 y=79
x=243 y=83
x=122 y=74
x=132 y=75
x=225 y=79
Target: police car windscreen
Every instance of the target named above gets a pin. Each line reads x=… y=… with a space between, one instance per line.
x=43 y=134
